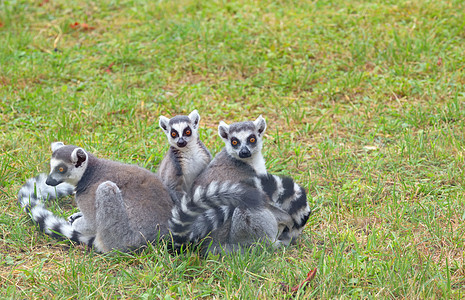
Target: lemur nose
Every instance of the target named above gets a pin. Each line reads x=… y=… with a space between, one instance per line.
x=244 y=153
x=51 y=181
x=181 y=143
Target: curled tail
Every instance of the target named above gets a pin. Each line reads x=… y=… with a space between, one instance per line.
x=32 y=197
x=286 y=194
x=208 y=209
x=35 y=192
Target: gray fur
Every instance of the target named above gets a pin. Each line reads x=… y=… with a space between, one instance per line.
x=246 y=228
x=224 y=167
x=187 y=156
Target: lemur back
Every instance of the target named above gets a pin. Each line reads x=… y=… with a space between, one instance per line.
x=187 y=156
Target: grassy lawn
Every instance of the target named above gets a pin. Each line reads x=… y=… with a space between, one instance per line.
x=365 y=104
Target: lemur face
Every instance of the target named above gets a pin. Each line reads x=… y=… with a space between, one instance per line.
x=181 y=130
x=244 y=139
x=68 y=164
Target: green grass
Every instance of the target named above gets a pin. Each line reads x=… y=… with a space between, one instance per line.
x=365 y=103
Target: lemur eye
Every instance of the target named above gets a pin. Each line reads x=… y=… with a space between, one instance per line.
x=60 y=169
x=234 y=142
x=188 y=132
x=252 y=140
x=174 y=134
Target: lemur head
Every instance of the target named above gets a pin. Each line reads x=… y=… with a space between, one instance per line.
x=68 y=164
x=244 y=139
x=181 y=130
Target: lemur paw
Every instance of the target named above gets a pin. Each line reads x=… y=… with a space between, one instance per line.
x=74 y=217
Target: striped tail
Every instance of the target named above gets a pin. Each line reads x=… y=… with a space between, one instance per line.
x=208 y=209
x=32 y=197
x=286 y=194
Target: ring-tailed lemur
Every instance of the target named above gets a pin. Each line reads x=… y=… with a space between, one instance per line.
x=187 y=155
x=121 y=206
x=241 y=160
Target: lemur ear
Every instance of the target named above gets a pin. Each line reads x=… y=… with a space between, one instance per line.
x=56 y=145
x=223 y=130
x=164 y=121
x=260 y=124
x=78 y=156
x=195 y=118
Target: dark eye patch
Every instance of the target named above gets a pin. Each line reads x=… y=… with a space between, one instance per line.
x=61 y=168
x=174 y=133
x=252 y=139
x=235 y=142
x=187 y=131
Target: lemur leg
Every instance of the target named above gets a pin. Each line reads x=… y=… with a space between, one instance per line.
x=243 y=230
x=74 y=217
x=249 y=226
x=285 y=224
x=112 y=222
x=218 y=242
x=82 y=225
